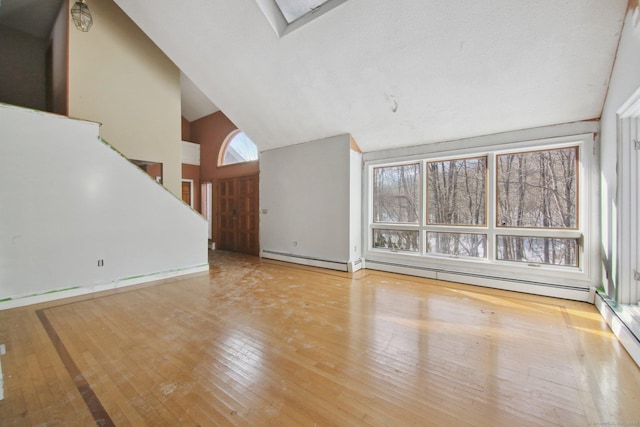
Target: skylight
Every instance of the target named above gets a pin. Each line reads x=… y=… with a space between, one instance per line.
x=286 y=16
x=294 y=9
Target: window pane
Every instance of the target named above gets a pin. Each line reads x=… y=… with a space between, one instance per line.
x=538 y=189
x=396 y=194
x=240 y=149
x=460 y=244
x=396 y=240
x=457 y=192
x=540 y=250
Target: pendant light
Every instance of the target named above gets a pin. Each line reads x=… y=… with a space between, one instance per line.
x=81 y=16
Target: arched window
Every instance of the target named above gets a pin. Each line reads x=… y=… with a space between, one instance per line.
x=237 y=148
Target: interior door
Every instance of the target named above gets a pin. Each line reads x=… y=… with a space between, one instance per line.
x=238 y=216
x=186 y=192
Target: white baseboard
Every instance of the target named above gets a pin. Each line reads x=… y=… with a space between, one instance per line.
x=626 y=338
x=304 y=260
x=529 y=287
x=84 y=290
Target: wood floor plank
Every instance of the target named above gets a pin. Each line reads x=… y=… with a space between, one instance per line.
x=260 y=342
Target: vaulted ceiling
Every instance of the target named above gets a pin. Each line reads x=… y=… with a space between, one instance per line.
x=392 y=73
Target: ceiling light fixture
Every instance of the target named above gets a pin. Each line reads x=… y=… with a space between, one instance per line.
x=81 y=16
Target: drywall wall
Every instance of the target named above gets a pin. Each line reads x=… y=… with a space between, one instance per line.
x=355 y=205
x=305 y=200
x=625 y=80
x=22 y=61
x=69 y=200
x=119 y=77
x=190 y=153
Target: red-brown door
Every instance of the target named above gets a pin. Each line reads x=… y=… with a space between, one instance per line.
x=238 y=216
x=186 y=192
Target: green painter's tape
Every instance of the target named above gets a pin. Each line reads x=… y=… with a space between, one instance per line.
x=60 y=290
x=163 y=272
x=41 y=293
x=136 y=277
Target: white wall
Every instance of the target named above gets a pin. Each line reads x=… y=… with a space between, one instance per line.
x=355 y=208
x=69 y=199
x=190 y=153
x=307 y=190
x=625 y=79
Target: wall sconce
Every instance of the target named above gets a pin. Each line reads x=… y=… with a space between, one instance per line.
x=81 y=16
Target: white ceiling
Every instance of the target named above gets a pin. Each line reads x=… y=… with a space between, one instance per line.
x=393 y=73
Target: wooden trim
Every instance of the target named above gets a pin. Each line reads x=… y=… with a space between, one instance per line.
x=354 y=145
x=94 y=405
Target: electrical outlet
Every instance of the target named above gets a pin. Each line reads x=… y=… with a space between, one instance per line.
x=295 y=243
x=636 y=275
x=100 y=263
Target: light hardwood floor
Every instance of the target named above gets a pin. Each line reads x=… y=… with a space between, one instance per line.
x=258 y=342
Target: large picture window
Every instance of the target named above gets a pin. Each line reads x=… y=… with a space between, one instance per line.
x=512 y=207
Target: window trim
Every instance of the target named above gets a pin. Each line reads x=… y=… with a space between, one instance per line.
x=225 y=145
x=587 y=272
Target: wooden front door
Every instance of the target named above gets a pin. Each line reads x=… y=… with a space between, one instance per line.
x=238 y=216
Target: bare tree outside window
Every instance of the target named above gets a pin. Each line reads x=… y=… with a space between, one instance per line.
x=539 y=250
x=458 y=244
x=396 y=199
x=396 y=194
x=538 y=190
x=532 y=217
x=456 y=195
x=457 y=192
x=396 y=240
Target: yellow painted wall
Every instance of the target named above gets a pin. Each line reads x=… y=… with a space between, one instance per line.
x=120 y=78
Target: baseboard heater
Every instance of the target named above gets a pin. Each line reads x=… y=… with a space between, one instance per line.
x=611 y=314
x=350 y=266
x=511 y=284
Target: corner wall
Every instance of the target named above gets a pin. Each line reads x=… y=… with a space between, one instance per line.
x=120 y=78
x=69 y=200
x=311 y=203
x=625 y=80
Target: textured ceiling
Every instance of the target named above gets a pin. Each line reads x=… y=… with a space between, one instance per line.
x=395 y=73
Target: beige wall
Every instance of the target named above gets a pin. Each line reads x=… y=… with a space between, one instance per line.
x=118 y=77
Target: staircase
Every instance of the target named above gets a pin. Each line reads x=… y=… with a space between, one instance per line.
x=77 y=217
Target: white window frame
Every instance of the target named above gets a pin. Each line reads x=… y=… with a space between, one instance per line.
x=627 y=264
x=584 y=276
